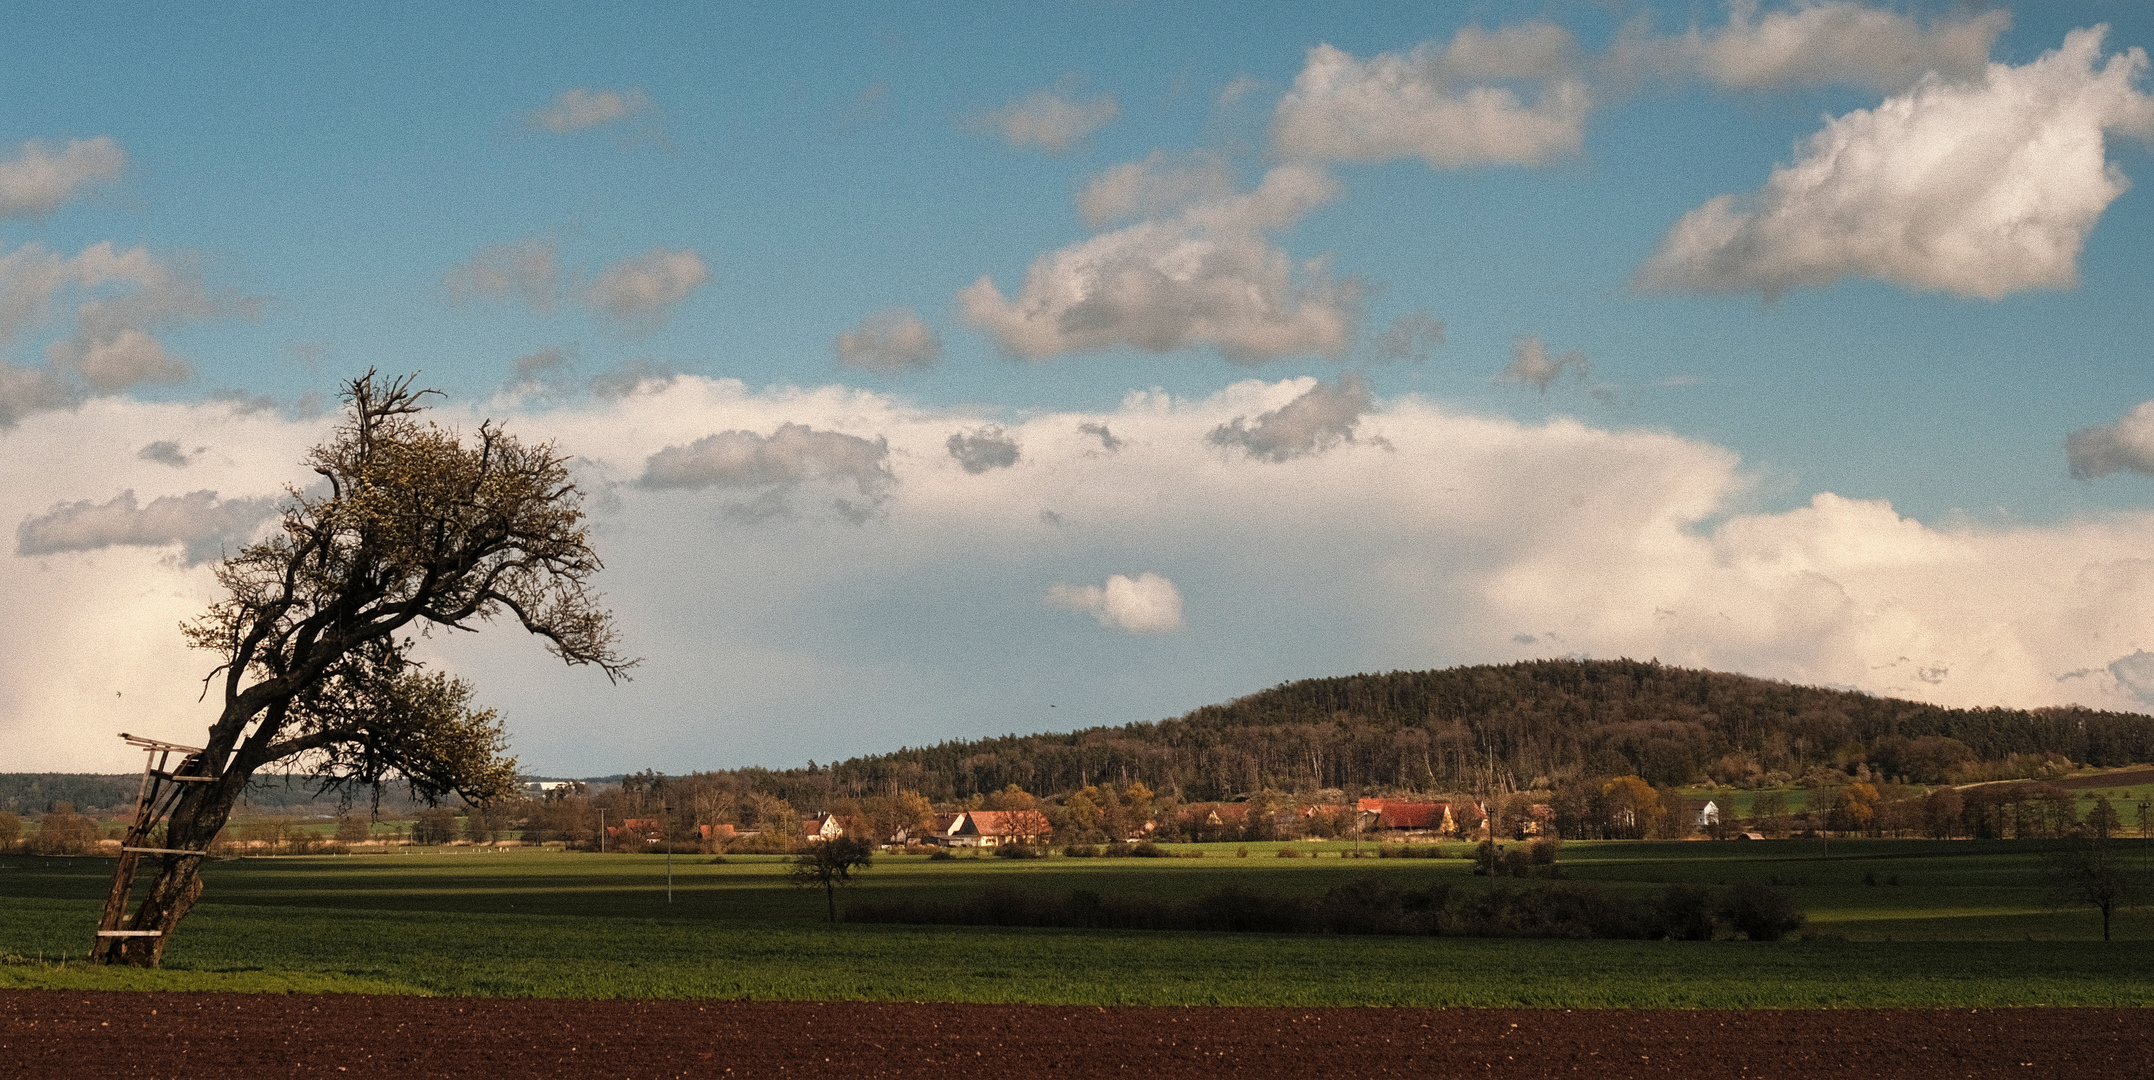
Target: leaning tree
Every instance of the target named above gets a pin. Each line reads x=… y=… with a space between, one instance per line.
x=414 y=526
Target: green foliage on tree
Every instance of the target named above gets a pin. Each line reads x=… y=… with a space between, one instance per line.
x=413 y=526
x=828 y=864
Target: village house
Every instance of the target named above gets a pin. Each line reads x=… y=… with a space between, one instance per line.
x=991 y=828
x=1408 y=817
x=822 y=827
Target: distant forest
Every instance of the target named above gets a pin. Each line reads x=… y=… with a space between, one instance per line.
x=1491 y=728
x=114 y=793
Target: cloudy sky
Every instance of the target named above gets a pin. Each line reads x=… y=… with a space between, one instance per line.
x=946 y=370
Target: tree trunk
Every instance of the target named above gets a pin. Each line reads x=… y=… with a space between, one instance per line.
x=194 y=822
x=830 y=893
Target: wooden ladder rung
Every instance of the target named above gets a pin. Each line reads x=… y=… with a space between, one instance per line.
x=163 y=851
x=187 y=779
x=130 y=933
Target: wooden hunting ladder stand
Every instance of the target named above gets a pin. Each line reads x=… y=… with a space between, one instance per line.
x=161 y=787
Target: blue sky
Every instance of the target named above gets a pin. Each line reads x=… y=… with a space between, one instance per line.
x=543 y=205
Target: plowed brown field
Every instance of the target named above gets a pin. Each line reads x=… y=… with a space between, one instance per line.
x=55 y=1034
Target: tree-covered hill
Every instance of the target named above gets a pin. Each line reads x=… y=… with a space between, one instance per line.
x=1517 y=725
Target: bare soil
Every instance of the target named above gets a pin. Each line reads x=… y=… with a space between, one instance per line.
x=57 y=1034
x=2122 y=778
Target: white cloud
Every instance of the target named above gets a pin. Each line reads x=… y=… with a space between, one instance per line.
x=40 y=178
x=925 y=623
x=1205 y=276
x=583 y=108
x=2135 y=675
x=1838 y=42
x=2127 y=444
x=119 y=300
x=1412 y=336
x=528 y=270
x=1051 y=119
x=1160 y=185
x=29 y=390
x=1531 y=365
x=891 y=341
x=641 y=291
x=1322 y=417
x=987 y=448
x=539 y=368
x=164 y=451
x=1977 y=189
x=1452 y=106
x=1145 y=604
x=203 y=525
x=775 y=466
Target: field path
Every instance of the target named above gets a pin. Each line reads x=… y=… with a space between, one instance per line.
x=58 y=1034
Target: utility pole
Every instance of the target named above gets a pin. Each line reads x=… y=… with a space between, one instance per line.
x=665 y=826
x=602 y=832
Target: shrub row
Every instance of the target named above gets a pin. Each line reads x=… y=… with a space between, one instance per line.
x=1372 y=905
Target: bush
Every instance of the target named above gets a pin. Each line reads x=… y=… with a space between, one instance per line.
x=1409 y=851
x=1290 y=853
x=1082 y=851
x=1018 y=851
x=1374 y=905
x=762 y=843
x=1758 y=912
x=63 y=832
x=941 y=855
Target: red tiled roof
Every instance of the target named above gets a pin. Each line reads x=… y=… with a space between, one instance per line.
x=1405 y=813
x=1010 y=823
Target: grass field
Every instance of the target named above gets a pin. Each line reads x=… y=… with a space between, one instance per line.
x=1945 y=923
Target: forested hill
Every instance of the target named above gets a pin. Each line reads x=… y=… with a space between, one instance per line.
x=1516 y=724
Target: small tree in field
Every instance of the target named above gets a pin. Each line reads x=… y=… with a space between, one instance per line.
x=414 y=526
x=2090 y=870
x=829 y=864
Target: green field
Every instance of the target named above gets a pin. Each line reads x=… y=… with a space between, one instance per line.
x=1946 y=923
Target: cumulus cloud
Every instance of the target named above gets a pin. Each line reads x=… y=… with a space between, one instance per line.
x=2127 y=444
x=639 y=292
x=30 y=390
x=203 y=525
x=120 y=301
x=164 y=452
x=1531 y=365
x=1106 y=438
x=38 y=179
x=1160 y=185
x=1412 y=336
x=891 y=341
x=1529 y=539
x=775 y=466
x=2135 y=675
x=984 y=449
x=1051 y=119
x=1978 y=189
x=527 y=270
x=1208 y=275
x=1510 y=96
x=1319 y=419
x=1145 y=604
x=1838 y=42
x=583 y=108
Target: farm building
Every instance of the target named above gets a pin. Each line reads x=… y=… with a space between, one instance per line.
x=822 y=827
x=1409 y=816
x=991 y=828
